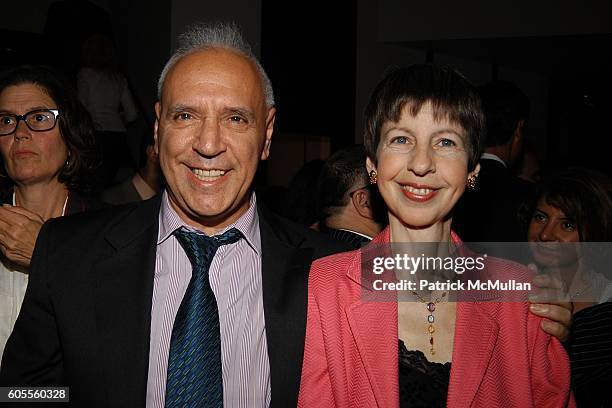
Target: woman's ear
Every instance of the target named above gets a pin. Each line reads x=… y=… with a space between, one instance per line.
x=370 y=165
x=474 y=173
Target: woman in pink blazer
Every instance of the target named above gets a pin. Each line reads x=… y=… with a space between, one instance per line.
x=424 y=127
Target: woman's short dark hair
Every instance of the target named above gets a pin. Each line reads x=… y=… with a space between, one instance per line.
x=585 y=197
x=75 y=123
x=450 y=94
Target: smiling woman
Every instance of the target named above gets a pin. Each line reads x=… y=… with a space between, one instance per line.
x=47 y=154
x=424 y=126
x=573 y=206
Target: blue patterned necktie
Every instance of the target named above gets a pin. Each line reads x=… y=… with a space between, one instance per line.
x=194 y=362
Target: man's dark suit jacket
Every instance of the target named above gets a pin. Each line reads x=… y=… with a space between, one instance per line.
x=86 y=317
x=490 y=213
x=356 y=241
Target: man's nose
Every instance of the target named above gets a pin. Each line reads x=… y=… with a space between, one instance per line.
x=209 y=140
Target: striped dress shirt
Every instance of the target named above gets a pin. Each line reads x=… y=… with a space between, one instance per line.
x=235 y=278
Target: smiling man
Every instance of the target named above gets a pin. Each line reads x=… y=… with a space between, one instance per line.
x=214 y=124
x=196 y=297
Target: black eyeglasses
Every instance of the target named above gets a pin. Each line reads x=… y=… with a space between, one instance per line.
x=38 y=120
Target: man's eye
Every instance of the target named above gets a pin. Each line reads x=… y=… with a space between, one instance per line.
x=237 y=119
x=40 y=117
x=183 y=116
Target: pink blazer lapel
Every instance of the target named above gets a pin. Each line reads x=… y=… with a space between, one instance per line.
x=373 y=325
x=475 y=337
x=374 y=328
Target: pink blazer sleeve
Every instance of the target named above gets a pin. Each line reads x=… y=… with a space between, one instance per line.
x=550 y=368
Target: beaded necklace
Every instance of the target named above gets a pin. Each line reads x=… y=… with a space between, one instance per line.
x=431 y=308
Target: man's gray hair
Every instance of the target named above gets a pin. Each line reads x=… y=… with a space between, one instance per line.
x=205 y=36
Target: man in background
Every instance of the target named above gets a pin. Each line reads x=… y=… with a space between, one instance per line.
x=348 y=205
x=488 y=212
x=142 y=185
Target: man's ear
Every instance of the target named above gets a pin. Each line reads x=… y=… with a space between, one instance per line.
x=156 y=126
x=362 y=204
x=269 y=131
x=519 y=132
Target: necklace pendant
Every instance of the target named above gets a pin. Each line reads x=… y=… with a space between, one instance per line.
x=431 y=306
x=430 y=318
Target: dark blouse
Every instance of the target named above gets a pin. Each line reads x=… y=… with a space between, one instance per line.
x=590 y=351
x=421 y=383
x=76 y=202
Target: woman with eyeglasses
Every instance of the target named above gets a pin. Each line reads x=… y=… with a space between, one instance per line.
x=47 y=157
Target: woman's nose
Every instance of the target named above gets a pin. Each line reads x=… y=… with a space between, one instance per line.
x=547 y=233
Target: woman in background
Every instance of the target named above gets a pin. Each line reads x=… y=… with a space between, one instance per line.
x=105 y=93
x=424 y=127
x=573 y=206
x=47 y=151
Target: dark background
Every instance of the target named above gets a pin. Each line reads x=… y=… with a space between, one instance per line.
x=324 y=58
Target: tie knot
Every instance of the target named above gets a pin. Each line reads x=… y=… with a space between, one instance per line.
x=228 y=237
x=201 y=248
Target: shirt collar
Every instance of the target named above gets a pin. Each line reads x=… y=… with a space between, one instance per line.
x=144 y=190
x=247 y=224
x=356 y=233
x=491 y=156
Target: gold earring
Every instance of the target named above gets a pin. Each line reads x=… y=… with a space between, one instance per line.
x=471 y=182
x=373 y=177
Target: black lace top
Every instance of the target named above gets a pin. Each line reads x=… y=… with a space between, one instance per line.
x=421 y=383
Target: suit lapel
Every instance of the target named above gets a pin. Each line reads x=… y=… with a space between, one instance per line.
x=123 y=295
x=475 y=338
x=285 y=268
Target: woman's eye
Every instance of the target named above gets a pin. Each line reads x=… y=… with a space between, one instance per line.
x=447 y=143
x=400 y=140
x=539 y=217
x=6 y=120
x=40 y=117
x=568 y=226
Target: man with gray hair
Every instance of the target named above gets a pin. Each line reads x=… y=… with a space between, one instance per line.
x=195 y=298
